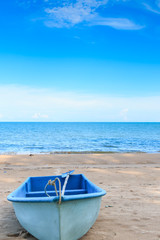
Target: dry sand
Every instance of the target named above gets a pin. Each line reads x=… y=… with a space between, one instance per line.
x=129 y=211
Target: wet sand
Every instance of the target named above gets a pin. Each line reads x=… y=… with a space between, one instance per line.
x=130 y=210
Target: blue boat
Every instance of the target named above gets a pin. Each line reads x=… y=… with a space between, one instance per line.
x=60 y=207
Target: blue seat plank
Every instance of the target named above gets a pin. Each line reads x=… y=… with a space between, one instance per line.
x=53 y=193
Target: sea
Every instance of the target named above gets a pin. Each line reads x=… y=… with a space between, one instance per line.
x=74 y=137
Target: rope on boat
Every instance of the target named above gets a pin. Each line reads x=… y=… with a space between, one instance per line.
x=65 y=184
x=53 y=183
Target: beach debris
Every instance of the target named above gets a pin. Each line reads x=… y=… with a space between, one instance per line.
x=31 y=155
x=13 y=234
x=107 y=206
x=21 y=233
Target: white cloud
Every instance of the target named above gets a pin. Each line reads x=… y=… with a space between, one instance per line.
x=117 y=23
x=70 y=15
x=85 y=11
x=39 y=116
x=19 y=103
x=66 y=14
x=73 y=13
x=152 y=9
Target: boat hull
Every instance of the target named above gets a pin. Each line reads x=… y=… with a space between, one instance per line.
x=69 y=220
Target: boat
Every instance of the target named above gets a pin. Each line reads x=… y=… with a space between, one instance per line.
x=62 y=207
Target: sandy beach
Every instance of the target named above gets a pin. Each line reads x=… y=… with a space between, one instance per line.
x=130 y=210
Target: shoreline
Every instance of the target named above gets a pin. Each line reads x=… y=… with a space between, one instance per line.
x=129 y=210
x=75 y=152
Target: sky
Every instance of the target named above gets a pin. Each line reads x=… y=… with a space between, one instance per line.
x=80 y=60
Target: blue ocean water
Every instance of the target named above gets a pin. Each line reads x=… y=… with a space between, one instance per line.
x=78 y=137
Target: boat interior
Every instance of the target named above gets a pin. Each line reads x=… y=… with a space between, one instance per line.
x=34 y=187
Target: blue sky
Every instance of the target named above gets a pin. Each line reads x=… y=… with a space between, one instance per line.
x=80 y=60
